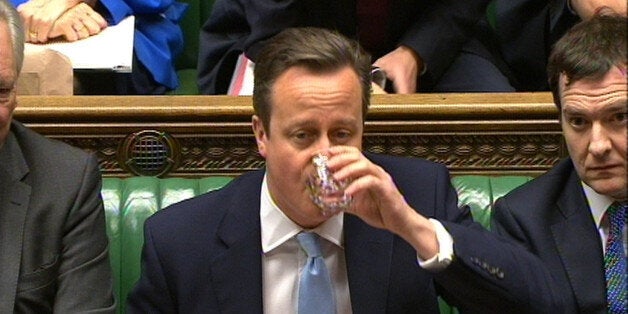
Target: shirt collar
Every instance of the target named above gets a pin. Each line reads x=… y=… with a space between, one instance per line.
x=277 y=228
x=598 y=203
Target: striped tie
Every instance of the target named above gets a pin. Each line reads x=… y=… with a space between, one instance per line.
x=615 y=261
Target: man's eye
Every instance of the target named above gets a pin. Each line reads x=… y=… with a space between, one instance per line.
x=343 y=135
x=577 y=122
x=5 y=92
x=620 y=117
x=301 y=135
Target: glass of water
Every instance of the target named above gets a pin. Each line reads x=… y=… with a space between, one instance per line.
x=325 y=191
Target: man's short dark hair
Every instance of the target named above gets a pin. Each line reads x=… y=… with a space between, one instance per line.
x=319 y=50
x=588 y=50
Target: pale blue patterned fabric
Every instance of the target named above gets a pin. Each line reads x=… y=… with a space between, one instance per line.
x=315 y=290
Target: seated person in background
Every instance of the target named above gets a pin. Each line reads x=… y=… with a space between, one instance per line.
x=407 y=39
x=238 y=250
x=509 y=49
x=564 y=216
x=157 y=39
x=53 y=247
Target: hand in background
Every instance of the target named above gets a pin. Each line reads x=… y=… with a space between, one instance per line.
x=78 y=22
x=39 y=16
x=587 y=8
x=402 y=67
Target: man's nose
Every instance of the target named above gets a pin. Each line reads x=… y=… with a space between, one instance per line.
x=600 y=142
x=323 y=143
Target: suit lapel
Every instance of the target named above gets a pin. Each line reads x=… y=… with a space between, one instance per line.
x=368 y=278
x=579 y=245
x=238 y=272
x=14 y=201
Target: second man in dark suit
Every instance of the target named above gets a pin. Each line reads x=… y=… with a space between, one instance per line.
x=562 y=216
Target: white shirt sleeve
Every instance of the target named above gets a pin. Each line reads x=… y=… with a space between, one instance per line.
x=445 y=254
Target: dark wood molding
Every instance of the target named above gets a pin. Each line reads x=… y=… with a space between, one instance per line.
x=509 y=133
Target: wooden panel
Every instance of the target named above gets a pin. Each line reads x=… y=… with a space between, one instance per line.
x=510 y=133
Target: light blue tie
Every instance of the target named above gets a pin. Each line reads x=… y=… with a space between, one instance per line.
x=315 y=290
x=615 y=262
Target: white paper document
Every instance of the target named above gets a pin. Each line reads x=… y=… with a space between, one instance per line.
x=111 y=49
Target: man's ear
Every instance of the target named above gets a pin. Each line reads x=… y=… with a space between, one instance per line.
x=260 y=135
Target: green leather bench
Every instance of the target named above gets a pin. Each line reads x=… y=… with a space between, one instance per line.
x=128 y=202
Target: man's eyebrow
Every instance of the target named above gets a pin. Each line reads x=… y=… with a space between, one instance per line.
x=620 y=104
x=615 y=106
x=301 y=123
x=347 y=121
x=573 y=110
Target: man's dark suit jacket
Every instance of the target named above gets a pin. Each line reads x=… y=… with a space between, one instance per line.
x=435 y=29
x=53 y=243
x=551 y=217
x=518 y=36
x=203 y=255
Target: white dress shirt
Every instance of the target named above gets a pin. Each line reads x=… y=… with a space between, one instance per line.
x=598 y=204
x=283 y=259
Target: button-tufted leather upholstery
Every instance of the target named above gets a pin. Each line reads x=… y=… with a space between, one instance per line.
x=128 y=202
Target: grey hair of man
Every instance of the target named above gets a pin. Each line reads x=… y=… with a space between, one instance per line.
x=9 y=15
x=589 y=50
x=318 y=50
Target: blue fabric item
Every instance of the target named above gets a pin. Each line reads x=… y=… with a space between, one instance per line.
x=158 y=38
x=315 y=290
x=615 y=262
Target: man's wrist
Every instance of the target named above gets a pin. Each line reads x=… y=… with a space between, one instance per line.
x=420 y=65
x=445 y=254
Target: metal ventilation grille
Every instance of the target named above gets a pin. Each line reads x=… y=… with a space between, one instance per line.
x=149 y=153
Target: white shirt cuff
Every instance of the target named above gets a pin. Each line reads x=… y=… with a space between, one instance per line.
x=445 y=254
